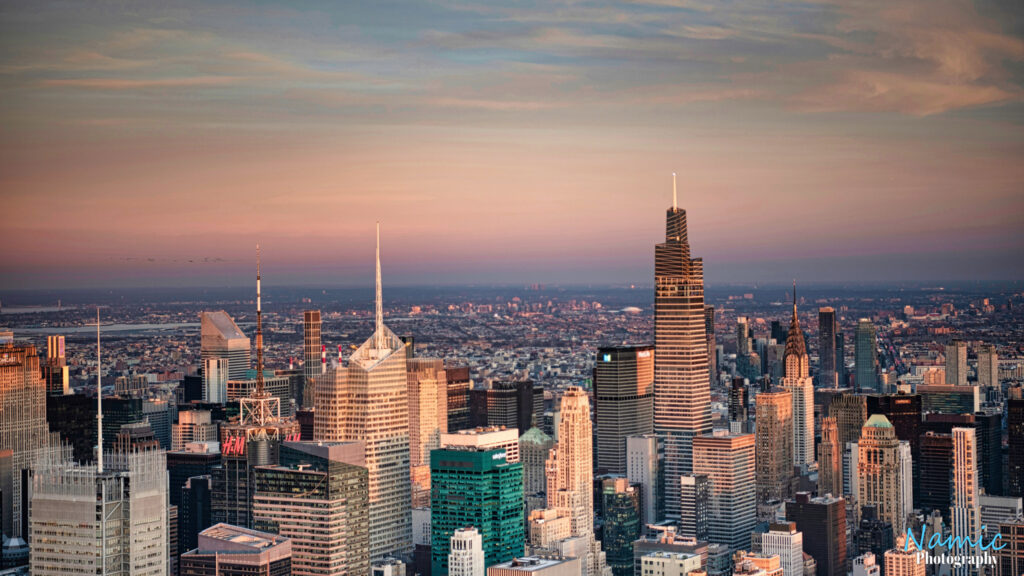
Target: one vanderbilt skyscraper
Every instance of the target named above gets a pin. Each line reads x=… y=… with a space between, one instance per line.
x=682 y=391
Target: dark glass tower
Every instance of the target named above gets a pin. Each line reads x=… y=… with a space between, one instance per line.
x=841 y=375
x=621 y=503
x=458 y=397
x=311 y=349
x=823 y=522
x=516 y=404
x=695 y=496
x=623 y=401
x=739 y=403
x=904 y=412
x=827 y=375
x=182 y=465
x=682 y=394
x=74 y=417
x=988 y=430
x=1015 y=434
x=193 y=512
x=866 y=357
x=936 y=465
x=709 y=329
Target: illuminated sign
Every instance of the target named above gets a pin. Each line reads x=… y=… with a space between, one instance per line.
x=234 y=446
x=643 y=354
x=607 y=358
x=499 y=456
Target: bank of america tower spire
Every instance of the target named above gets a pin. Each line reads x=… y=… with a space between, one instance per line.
x=374 y=388
x=682 y=387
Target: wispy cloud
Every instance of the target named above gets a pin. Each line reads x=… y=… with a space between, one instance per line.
x=873 y=91
x=915 y=57
x=142 y=83
x=911 y=57
x=496 y=105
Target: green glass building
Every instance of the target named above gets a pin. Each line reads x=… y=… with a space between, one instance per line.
x=478 y=488
x=866 y=358
x=621 y=503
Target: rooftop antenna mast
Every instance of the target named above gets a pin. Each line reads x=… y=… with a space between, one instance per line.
x=260 y=411
x=99 y=397
x=259 y=330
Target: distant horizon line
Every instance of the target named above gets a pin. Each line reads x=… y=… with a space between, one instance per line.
x=920 y=284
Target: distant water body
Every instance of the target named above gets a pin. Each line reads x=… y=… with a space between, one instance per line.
x=108 y=328
x=34 y=309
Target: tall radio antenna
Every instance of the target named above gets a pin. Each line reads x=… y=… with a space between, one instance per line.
x=259 y=330
x=99 y=396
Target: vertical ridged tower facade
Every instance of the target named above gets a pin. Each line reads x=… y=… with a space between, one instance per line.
x=23 y=427
x=623 y=401
x=428 y=419
x=311 y=348
x=774 y=437
x=830 y=459
x=570 y=472
x=965 y=511
x=682 y=392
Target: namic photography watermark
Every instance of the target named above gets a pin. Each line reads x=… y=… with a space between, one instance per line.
x=952 y=550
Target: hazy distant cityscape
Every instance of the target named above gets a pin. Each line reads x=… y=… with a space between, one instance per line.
x=547 y=333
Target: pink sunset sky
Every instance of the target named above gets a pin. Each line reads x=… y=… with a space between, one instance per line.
x=519 y=142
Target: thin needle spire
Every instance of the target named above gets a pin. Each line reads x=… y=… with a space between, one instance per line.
x=378 y=334
x=675 y=201
x=794 y=297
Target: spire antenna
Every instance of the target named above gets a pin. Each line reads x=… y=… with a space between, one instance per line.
x=378 y=334
x=99 y=397
x=675 y=202
x=260 y=412
x=259 y=329
x=794 y=298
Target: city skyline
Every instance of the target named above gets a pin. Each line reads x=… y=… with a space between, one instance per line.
x=559 y=383
x=888 y=136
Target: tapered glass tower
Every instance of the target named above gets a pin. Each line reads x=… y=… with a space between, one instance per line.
x=682 y=393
